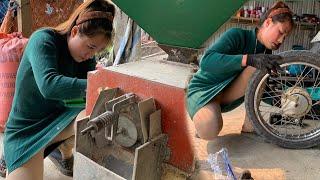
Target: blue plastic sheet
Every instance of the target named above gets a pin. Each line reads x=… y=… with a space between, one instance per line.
x=3 y=9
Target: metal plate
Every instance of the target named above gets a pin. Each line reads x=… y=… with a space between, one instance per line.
x=148 y=159
x=146 y=108
x=118 y=166
x=316 y=38
x=104 y=96
x=155 y=124
x=85 y=168
x=127 y=134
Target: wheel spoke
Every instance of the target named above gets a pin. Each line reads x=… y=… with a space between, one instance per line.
x=270 y=94
x=268 y=111
x=268 y=102
x=270 y=97
x=313 y=114
x=280 y=120
x=299 y=80
x=315 y=84
x=282 y=89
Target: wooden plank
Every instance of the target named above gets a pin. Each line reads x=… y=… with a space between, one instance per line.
x=24 y=18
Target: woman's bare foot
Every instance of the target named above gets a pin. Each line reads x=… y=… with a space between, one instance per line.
x=247 y=126
x=66 y=148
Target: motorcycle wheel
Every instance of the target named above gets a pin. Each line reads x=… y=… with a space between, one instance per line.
x=284 y=108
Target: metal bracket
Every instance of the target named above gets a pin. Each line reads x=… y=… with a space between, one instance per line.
x=109 y=119
x=124 y=155
x=181 y=54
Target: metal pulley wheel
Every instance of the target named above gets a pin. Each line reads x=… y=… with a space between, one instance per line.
x=127 y=133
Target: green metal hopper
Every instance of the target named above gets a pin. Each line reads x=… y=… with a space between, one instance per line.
x=182 y=23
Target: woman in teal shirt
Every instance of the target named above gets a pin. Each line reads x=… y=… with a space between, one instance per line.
x=220 y=83
x=53 y=68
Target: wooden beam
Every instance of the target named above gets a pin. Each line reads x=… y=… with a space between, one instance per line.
x=24 y=18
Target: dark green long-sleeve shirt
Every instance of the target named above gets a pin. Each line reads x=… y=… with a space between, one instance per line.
x=47 y=75
x=220 y=65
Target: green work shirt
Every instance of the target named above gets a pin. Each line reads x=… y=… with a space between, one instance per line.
x=46 y=77
x=219 y=66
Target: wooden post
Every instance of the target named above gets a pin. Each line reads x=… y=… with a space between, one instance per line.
x=24 y=18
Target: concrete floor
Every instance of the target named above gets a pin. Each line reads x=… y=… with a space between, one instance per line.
x=246 y=151
x=249 y=151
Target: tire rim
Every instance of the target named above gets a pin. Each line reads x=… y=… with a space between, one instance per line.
x=290 y=124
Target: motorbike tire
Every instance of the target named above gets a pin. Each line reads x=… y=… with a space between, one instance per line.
x=288 y=57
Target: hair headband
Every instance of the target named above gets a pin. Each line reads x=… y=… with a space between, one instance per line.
x=94 y=15
x=279 y=11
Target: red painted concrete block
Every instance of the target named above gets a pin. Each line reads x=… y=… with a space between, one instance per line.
x=166 y=83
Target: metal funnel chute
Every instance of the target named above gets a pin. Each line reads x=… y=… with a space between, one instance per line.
x=182 y=23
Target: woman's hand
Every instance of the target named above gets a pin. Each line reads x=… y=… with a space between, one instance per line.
x=264 y=62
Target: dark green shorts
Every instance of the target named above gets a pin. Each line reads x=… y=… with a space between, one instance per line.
x=232 y=106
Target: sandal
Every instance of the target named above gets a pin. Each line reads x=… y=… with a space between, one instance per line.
x=3 y=167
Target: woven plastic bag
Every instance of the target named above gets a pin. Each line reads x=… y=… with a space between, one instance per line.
x=11 y=49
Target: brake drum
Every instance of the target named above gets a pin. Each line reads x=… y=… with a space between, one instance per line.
x=295 y=102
